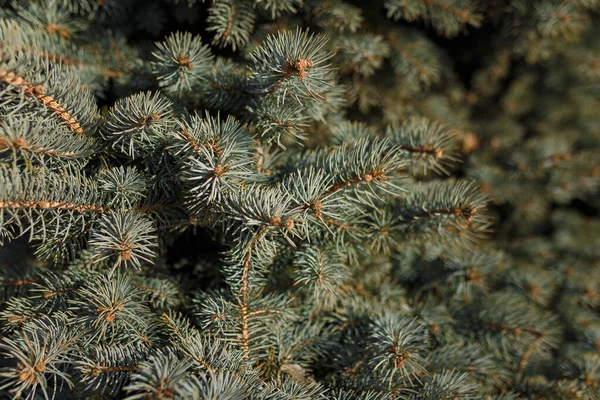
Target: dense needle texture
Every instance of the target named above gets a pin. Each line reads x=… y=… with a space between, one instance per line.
x=300 y=199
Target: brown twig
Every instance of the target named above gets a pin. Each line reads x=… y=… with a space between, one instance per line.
x=38 y=92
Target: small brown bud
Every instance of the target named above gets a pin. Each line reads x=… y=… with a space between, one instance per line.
x=470 y=142
x=435 y=328
x=275 y=220
x=302 y=66
x=219 y=171
x=518 y=331
x=54 y=28
x=37 y=90
x=533 y=290
x=25 y=375
x=560 y=157
x=590 y=381
x=563 y=17
x=317 y=205
x=565 y=185
x=184 y=62
x=289 y=224
x=368 y=178
x=125 y=255
x=472 y=277
x=48 y=294
x=146 y=120
x=297 y=68
x=464 y=16
x=590 y=292
x=40 y=367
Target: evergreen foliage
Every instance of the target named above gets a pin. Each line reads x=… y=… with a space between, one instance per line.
x=287 y=199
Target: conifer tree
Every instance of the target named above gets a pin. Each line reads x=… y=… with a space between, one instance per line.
x=287 y=199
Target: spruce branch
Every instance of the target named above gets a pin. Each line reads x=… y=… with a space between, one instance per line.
x=416 y=60
x=50 y=87
x=216 y=158
x=182 y=62
x=46 y=204
x=126 y=186
x=447 y=384
x=51 y=17
x=447 y=17
x=275 y=8
x=430 y=145
x=232 y=22
x=107 y=368
x=399 y=346
x=452 y=210
x=335 y=15
x=293 y=62
x=295 y=240
x=279 y=122
x=110 y=307
x=162 y=375
x=40 y=356
x=27 y=137
x=126 y=237
x=159 y=293
x=137 y=123
x=321 y=272
x=361 y=53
